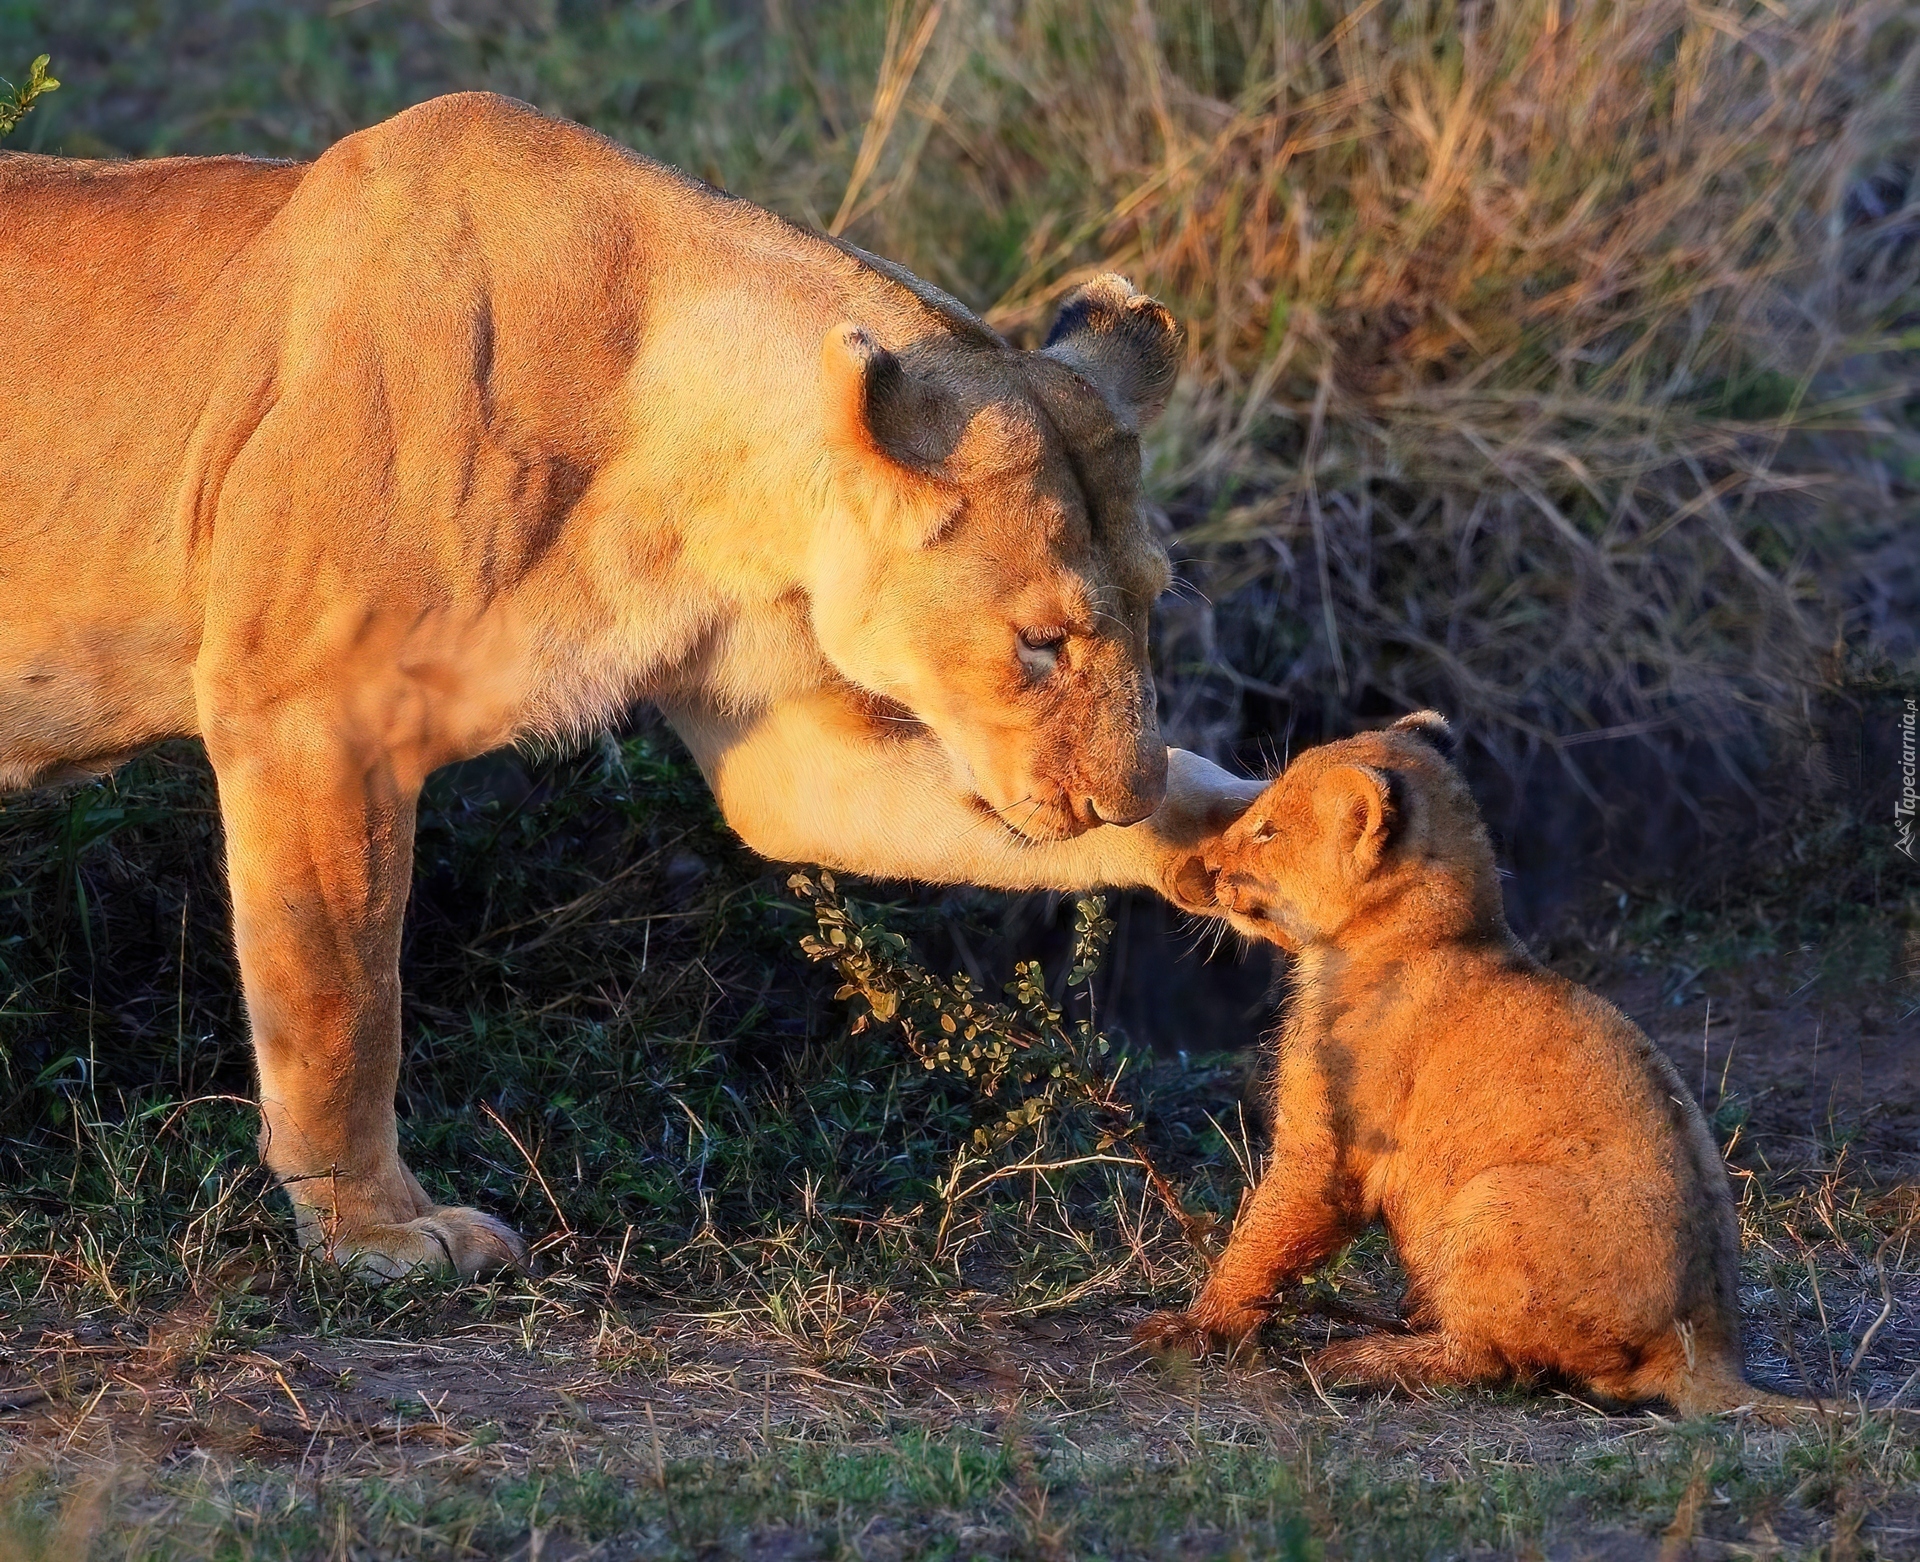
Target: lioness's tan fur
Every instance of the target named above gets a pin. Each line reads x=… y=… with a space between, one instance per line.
x=1551 y=1188
x=480 y=427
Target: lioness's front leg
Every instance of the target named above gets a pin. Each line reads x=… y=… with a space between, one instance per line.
x=818 y=779
x=319 y=854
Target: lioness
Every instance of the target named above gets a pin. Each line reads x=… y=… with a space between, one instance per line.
x=1553 y=1191
x=480 y=426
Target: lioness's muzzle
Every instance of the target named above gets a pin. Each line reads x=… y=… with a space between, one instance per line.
x=1132 y=796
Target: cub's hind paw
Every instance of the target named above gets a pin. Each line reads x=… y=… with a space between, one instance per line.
x=1408 y=1362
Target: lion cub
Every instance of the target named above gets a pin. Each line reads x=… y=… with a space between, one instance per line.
x=1553 y=1191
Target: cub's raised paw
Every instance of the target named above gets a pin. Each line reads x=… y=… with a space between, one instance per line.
x=451 y=1238
x=1189 y=886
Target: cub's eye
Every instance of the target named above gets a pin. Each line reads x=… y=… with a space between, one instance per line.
x=1039 y=649
x=1261 y=833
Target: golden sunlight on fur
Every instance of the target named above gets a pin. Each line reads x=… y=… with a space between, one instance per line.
x=1554 y=1193
x=480 y=427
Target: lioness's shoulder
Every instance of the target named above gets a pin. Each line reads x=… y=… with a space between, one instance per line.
x=463 y=135
x=458 y=116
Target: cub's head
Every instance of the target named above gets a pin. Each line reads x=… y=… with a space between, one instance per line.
x=1354 y=837
x=994 y=566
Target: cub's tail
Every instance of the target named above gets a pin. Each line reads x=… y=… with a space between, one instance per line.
x=1703 y=1378
x=1718 y=1389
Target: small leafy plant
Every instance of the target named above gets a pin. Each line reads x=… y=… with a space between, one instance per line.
x=1024 y=1055
x=38 y=84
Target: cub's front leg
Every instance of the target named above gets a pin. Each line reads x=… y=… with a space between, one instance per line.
x=1288 y=1228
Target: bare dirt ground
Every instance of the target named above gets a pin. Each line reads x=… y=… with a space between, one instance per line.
x=1814 y=1066
x=645 y=1403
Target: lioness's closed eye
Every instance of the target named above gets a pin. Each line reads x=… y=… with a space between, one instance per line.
x=1552 y=1190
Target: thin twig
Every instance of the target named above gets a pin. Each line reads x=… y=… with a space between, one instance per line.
x=566 y=1226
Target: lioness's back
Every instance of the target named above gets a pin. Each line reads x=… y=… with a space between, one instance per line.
x=469 y=276
x=113 y=305
x=107 y=263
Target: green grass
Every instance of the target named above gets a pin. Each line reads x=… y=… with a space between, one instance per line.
x=612 y=1039
x=1213 y=1492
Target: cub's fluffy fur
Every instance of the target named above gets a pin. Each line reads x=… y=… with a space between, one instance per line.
x=1553 y=1191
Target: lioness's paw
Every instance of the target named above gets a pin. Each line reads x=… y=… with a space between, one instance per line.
x=450 y=1237
x=1202 y=799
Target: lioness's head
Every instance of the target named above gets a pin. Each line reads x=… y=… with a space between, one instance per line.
x=997 y=567
x=1375 y=833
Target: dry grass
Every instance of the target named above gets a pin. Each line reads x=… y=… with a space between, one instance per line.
x=1546 y=358
x=1549 y=358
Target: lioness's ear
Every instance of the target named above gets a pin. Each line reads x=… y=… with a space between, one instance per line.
x=1356 y=803
x=1430 y=727
x=881 y=425
x=1122 y=343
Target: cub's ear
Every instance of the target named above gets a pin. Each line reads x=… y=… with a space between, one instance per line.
x=884 y=429
x=1355 y=804
x=1431 y=727
x=1122 y=343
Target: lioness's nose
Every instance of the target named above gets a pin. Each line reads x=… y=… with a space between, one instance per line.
x=1139 y=792
x=1132 y=811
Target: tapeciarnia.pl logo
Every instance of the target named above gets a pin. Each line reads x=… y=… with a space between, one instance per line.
x=1903 y=810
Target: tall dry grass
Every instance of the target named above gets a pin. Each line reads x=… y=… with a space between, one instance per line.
x=1549 y=358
